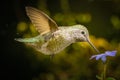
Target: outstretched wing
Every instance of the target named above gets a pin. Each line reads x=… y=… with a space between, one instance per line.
x=42 y=22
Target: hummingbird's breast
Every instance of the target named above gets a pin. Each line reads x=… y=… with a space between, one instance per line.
x=57 y=43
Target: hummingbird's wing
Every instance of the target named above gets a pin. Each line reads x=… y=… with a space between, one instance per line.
x=42 y=22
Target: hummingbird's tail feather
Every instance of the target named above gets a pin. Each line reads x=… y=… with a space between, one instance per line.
x=25 y=40
x=30 y=40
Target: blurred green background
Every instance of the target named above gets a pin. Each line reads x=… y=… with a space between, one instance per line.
x=20 y=62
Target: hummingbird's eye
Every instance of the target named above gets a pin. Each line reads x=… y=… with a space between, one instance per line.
x=82 y=32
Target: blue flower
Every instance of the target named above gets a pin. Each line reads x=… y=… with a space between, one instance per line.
x=104 y=55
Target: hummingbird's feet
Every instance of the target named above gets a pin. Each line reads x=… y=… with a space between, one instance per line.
x=51 y=56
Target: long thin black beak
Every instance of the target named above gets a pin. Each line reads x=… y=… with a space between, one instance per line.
x=92 y=45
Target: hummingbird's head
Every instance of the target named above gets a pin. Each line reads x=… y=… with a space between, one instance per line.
x=81 y=34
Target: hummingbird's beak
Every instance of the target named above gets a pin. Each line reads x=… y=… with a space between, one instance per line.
x=92 y=45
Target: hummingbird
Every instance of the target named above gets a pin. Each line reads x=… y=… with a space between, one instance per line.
x=53 y=38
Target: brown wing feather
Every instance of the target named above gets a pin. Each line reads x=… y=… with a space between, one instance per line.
x=42 y=22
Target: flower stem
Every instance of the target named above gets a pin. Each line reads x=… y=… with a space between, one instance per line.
x=104 y=71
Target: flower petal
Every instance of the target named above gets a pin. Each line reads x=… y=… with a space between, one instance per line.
x=103 y=58
x=104 y=55
x=110 y=53
x=99 y=56
x=93 y=56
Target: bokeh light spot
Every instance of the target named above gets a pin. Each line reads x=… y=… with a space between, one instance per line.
x=84 y=17
x=22 y=26
x=116 y=22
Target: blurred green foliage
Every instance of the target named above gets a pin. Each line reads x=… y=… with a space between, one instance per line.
x=101 y=17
